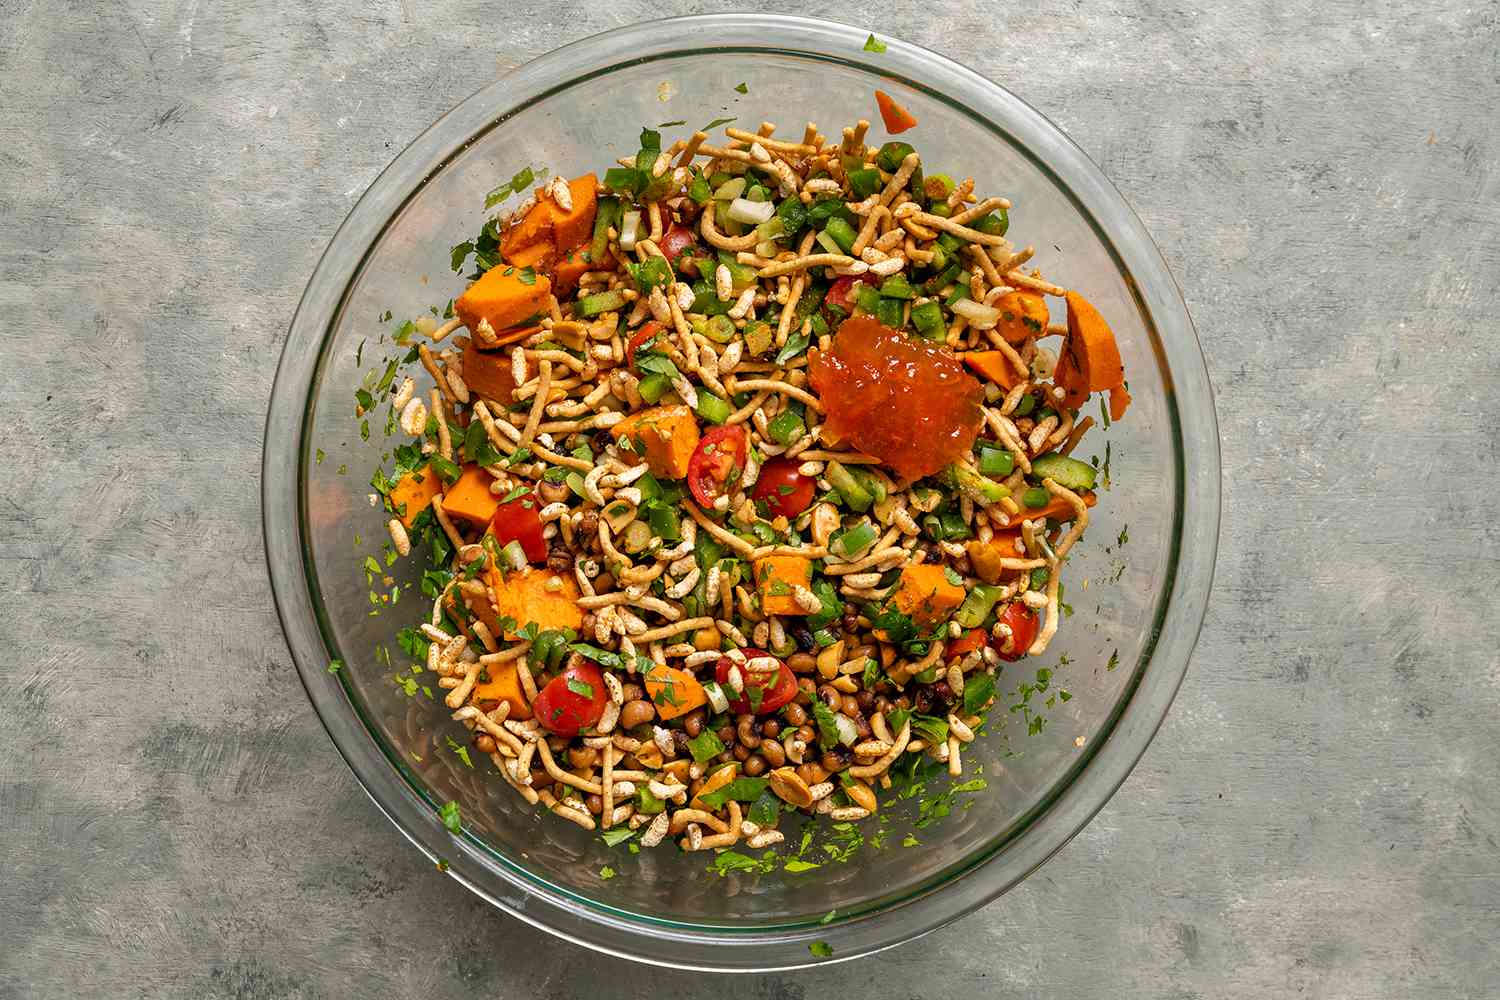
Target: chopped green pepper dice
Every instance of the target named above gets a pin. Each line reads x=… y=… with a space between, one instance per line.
x=864 y=181
x=854 y=493
x=995 y=461
x=897 y=287
x=699 y=191
x=867 y=299
x=654 y=386
x=712 y=408
x=1035 y=497
x=841 y=233
x=786 y=427
x=891 y=154
x=890 y=312
x=1026 y=405
x=928 y=319
x=977 y=604
x=994 y=224
x=592 y=305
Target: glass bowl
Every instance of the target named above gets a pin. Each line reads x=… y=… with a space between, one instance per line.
x=1120 y=657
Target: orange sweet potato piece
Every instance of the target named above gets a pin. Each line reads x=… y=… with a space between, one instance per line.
x=1090 y=359
x=538 y=256
x=926 y=594
x=504 y=684
x=566 y=272
x=666 y=435
x=775 y=576
x=994 y=366
x=415 y=490
x=546 y=222
x=569 y=229
x=470 y=498
x=1023 y=313
x=523 y=598
x=489 y=374
x=530 y=229
x=502 y=298
x=674 y=692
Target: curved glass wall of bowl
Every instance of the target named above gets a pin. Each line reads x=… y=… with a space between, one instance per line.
x=1147 y=560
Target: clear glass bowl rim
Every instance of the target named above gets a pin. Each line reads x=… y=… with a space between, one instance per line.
x=977 y=881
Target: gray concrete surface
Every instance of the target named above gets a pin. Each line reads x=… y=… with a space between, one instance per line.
x=1319 y=816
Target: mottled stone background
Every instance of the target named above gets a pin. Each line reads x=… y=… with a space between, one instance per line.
x=1319 y=815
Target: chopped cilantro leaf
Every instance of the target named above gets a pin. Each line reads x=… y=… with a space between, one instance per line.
x=618 y=836
x=583 y=688
x=606 y=873
x=795 y=865
x=741 y=89
x=705 y=746
x=828 y=730
x=450 y=816
x=821 y=949
x=873 y=44
x=717 y=122
x=334 y=666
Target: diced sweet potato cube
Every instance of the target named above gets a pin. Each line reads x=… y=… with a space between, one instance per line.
x=567 y=271
x=489 y=374
x=502 y=298
x=926 y=595
x=524 y=597
x=572 y=228
x=470 y=498
x=775 y=578
x=1023 y=313
x=994 y=366
x=674 y=692
x=538 y=256
x=666 y=435
x=414 y=492
x=546 y=222
x=504 y=684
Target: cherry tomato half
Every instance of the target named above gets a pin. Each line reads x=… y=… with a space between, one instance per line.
x=841 y=294
x=965 y=644
x=1023 y=623
x=776 y=691
x=785 y=491
x=717 y=463
x=676 y=241
x=520 y=520
x=640 y=338
x=573 y=700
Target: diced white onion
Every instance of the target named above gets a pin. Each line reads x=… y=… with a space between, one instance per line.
x=630 y=229
x=771 y=228
x=848 y=731
x=767 y=248
x=730 y=189
x=979 y=315
x=752 y=213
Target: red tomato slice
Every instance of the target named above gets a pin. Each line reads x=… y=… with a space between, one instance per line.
x=965 y=644
x=785 y=491
x=781 y=689
x=841 y=294
x=717 y=463
x=897 y=119
x=639 y=338
x=1023 y=624
x=676 y=241
x=520 y=520
x=573 y=700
